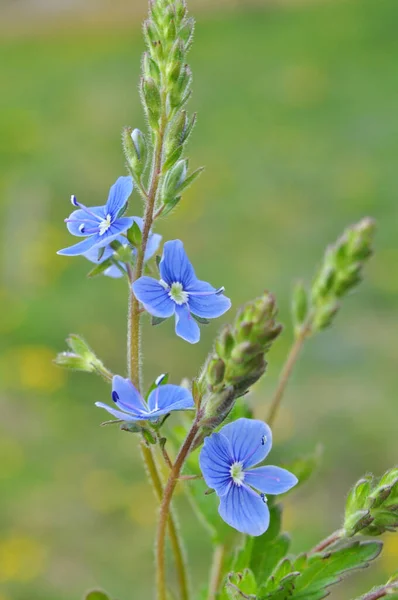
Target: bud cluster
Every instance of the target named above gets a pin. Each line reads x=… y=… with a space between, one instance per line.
x=372 y=506
x=165 y=89
x=341 y=271
x=81 y=358
x=238 y=358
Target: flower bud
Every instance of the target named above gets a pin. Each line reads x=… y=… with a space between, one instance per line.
x=299 y=306
x=150 y=69
x=68 y=360
x=152 y=101
x=173 y=180
x=135 y=150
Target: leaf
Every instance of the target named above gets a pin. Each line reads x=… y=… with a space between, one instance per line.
x=170 y=205
x=97 y=595
x=269 y=548
x=240 y=585
x=189 y=180
x=134 y=235
x=99 y=269
x=157 y=320
x=326 y=569
x=201 y=320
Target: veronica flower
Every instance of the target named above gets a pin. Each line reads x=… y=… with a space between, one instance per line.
x=100 y=224
x=114 y=271
x=181 y=293
x=227 y=460
x=131 y=406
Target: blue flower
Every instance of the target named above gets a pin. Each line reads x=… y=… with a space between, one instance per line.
x=114 y=271
x=131 y=406
x=179 y=292
x=226 y=461
x=100 y=224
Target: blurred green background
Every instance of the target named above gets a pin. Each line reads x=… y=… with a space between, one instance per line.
x=298 y=129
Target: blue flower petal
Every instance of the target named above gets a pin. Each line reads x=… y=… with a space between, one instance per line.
x=152 y=245
x=82 y=217
x=118 y=195
x=215 y=461
x=166 y=398
x=116 y=413
x=270 y=480
x=251 y=440
x=128 y=397
x=175 y=266
x=186 y=326
x=209 y=307
x=114 y=271
x=80 y=247
x=154 y=297
x=244 y=510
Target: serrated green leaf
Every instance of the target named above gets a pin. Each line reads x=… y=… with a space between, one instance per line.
x=326 y=569
x=97 y=595
x=240 y=585
x=279 y=590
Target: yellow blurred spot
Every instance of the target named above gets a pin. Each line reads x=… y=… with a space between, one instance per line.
x=11 y=458
x=21 y=559
x=389 y=556
x=143 y=504
x=30 y=368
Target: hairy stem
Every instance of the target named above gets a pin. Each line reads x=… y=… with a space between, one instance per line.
x=287 y=371
x=380 y=592
x=165 y=508
x=329 y=541
x=173 y=530
x=216 y=572
x=134 y=343
x=134 y=306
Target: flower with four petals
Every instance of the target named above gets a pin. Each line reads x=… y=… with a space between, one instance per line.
x=227 y=460
x=180 y=293
x=100 y=225
x=131 y=406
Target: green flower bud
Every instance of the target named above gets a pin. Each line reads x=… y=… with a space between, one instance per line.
x=68 y=360
x=300 y=306
x=174 y=180
x=135 y=150
x=215 y=371
x=150 y=69
x=238 y=359
x=152 y=101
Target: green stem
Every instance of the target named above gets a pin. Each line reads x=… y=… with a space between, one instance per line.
x=287 y=371
x=329 y=541
x=134 y=346
x=165 y=508
x=153 y=473
x=216 y=572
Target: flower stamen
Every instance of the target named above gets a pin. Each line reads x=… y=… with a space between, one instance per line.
x=177 y=293
x=237 y=473
x=105 y=224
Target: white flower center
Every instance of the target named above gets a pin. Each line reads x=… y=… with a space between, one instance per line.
x=104 y=225
x=177 y=293
x=237 y=473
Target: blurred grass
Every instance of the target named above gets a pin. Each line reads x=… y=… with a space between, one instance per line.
x=299 y=131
